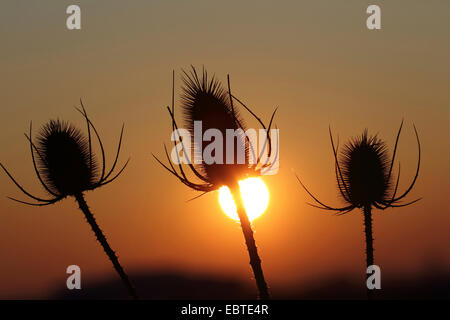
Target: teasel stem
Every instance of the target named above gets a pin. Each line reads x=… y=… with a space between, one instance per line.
x=369 y=243
x=102 y=239
x=255 y=261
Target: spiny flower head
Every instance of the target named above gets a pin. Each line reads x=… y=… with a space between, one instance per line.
x=364 y=175
x=65 y=161
x=206 y=101
x=365 y=169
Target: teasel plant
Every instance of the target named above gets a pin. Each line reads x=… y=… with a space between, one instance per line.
x=364 y=175
x=206 y=100
x=65 y=166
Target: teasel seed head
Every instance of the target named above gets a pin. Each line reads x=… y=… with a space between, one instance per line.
x=365 y=170
x=207 y=101
x=364 y=175
x=65 y=163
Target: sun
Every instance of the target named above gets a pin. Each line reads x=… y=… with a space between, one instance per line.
x=255 y=195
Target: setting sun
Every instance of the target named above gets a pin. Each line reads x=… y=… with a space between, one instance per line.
x=255 y=195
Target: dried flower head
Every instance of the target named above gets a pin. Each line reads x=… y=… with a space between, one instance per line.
x=365 y=170
x=204 y=99
x=64 y=162
x=364 y=174
x=65 y=166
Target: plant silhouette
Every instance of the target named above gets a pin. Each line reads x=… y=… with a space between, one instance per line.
x=65 y=166
x=207 y=101
x=364 y=178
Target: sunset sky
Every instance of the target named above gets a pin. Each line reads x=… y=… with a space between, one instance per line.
x=314 y=60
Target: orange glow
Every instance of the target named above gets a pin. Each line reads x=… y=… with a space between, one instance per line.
x=349 y=78
x=255 y=195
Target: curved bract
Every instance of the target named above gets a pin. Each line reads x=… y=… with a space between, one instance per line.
x=66 y=166
x=64 y=162
x=364 y=174
x=204 y=99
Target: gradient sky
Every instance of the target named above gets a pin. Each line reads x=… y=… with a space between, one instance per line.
x=315 y=60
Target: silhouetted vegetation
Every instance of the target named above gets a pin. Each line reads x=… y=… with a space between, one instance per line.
x=65 y=166
x=364 y=179
x=207 y=101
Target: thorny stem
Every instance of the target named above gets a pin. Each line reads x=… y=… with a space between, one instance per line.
x=102 y=239
x=369 y=243
x=255 y=261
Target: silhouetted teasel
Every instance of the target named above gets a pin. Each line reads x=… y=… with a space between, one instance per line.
x=65 y=166
x=206 y=100
x=364 y=179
